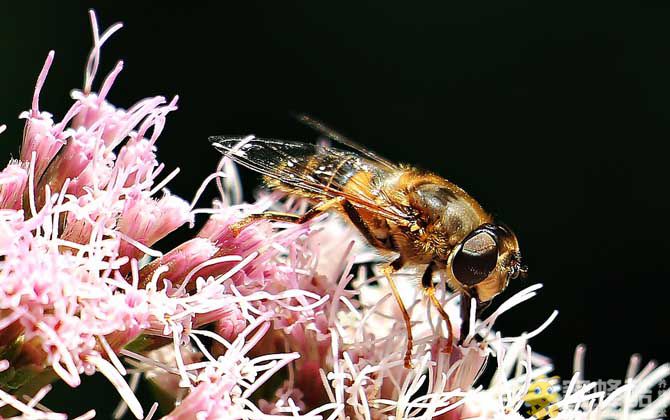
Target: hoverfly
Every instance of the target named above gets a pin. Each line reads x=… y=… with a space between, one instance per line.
x=400 y=210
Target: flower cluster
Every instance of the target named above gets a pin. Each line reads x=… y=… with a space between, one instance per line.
x=267 y=322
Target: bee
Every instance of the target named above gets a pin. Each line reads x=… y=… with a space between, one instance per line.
x=418 y=217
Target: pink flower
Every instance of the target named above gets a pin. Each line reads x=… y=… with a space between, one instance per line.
x=145 y=220
x=83 y=160
x=230 y=323
x=176 y=265
x=41 y=136
x=263 y=323
x=13 y=181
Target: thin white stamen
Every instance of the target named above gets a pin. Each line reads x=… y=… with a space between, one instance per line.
x=121 y=386
x=31 y=183
x=90 y=414
x=213 y=261
x=112 y=356
x=164 y=182
x=122 y=407
x=265 y=376
x=145 y=249
x=203 y=186
x=35 y=111
x=152 y=411
x=535 y=332
x=27 y=410
x=94 y=55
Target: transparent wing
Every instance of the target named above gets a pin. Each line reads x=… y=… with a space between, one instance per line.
x=334 y=135
x=317 y=170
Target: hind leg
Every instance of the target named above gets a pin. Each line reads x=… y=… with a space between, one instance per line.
x=276 y=216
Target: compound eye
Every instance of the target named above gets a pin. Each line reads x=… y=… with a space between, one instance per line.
x=476 y=258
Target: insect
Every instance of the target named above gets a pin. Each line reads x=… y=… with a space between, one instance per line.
x=419 y=217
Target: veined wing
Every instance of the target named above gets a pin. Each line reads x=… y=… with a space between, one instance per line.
x=319 y=170
x=336 y=136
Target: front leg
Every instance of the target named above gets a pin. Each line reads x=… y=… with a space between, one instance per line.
x=429 y=289
x=388 y=272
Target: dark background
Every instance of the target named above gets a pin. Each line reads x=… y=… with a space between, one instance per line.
x=554 y=115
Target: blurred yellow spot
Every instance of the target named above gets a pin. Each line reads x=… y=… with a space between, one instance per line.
x=542 y=393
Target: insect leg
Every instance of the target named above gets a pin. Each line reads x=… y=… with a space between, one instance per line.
x=360 y=224
x=320 y=208
x=388 y=272
x=275 y=216
x=429 y=289
x=286 y=217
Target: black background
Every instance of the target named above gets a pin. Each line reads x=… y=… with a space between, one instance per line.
x=554 y=115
